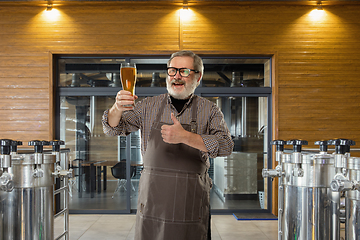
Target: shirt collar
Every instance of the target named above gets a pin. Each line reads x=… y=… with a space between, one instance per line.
x=186 y=104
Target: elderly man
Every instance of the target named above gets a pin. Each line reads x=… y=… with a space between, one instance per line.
x=179 y=132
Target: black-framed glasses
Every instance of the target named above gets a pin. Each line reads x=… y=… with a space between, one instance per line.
x=184 y=72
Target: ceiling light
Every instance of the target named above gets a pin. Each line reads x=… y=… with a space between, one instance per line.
x=319 y=6
x=49 y=7
x=185 y=5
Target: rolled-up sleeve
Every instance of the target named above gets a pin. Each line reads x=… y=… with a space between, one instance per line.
x=218 y=141
x=128 y=123
x=108 y=130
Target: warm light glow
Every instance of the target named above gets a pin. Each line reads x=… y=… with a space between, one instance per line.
x=317 y=15
x=185 y=14
x=52 y=15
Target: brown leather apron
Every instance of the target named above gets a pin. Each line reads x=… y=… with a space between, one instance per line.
x=173 y=202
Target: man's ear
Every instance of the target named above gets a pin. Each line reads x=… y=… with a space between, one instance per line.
x=200 y=76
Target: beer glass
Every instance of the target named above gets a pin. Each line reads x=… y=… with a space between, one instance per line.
x=128 y=76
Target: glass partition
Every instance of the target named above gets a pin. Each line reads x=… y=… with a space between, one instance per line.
x=86 y=86
x=236 y=73
x=237 y=179
x=99 y=161
x=218 y=72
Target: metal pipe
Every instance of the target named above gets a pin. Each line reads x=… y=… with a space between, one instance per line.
x=61 y=212
x=352 y=199
x=57 y=191
x=278 y=172
x=61 y=235
x=243 y=117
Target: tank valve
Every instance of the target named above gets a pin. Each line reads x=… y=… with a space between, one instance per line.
x=342 y=146
x=323 y=146
x=38 y=173
x=56 y=149
x=6 y=179
x=298 y=172
x=39 y=157
x=5 y=158
x=279 y=149
x=279 y=145
x=342 y=153
x=341 y=183
x=59 y=172
x=277 y=172
x=13 y=146
x=297 y=145
x=356 y=185
x=269 y=173
x=6 y=182
x=67 y=173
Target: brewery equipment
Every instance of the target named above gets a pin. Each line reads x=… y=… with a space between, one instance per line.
x=278 y=172
x=352 y=200
x=348 y=181
x=306 y=187
x=311 y=186
x=27 y=190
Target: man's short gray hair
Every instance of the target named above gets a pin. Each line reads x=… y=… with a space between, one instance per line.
x=198 y=63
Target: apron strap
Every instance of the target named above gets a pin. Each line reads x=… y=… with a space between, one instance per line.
x=160 y=113
x=193 y=113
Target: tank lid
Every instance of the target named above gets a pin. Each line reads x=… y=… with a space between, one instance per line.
x=307 y=158
x=353 y=163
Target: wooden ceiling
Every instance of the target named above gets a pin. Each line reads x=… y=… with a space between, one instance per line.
x=305 y=2
x=178 y=2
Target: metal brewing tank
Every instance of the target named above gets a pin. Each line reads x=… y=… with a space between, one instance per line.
x=27 y=210
x=352 y=201
x=29 y=207
x=348 y=181
x=308 y=200
x=307 y=209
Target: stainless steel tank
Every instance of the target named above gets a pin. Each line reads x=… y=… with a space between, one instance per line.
x=307 y=209
x=28 y=208
x=308 y=200
x=352 y=201
x=348 y=181
x=27 y=190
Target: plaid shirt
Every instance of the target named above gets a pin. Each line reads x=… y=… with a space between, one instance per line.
x=211 y=125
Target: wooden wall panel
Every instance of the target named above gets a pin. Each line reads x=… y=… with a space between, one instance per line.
x=316 y=63
x=27 y=36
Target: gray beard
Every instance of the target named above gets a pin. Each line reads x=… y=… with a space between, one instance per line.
x=189 y=89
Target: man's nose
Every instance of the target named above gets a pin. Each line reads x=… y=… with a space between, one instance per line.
x=177 y=75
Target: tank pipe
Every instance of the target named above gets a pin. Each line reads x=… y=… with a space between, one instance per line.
x=297 y=145
x=6 y=178
x=340 y=182
x=278 y=172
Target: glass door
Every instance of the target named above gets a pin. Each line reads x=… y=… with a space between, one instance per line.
x=108 y=169
x=237 y=179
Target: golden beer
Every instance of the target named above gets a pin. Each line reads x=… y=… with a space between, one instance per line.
x=128 y=77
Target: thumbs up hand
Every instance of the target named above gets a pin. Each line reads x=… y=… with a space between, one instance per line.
x=173 y=133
